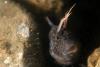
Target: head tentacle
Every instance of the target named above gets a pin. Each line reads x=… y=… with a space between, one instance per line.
x=64 y=20
x=49 y=21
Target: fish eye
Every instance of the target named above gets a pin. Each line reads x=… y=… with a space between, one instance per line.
x=73 y=48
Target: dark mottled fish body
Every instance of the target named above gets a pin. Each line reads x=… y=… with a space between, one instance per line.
x=62 y=48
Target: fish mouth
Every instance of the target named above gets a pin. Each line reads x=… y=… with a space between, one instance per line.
x=64 y=61
x=61 y=60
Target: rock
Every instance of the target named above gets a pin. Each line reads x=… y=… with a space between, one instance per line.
x=19 y=37
x=47 y=5
x=94 y=58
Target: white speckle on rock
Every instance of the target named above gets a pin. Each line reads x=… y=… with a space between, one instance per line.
x=23 y=30
x=5 y=2
x=20 y=55
x=7 y=60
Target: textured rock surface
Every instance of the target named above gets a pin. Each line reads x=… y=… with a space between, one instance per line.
x=47 y=4
x=19 y=38
x=94 y=58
